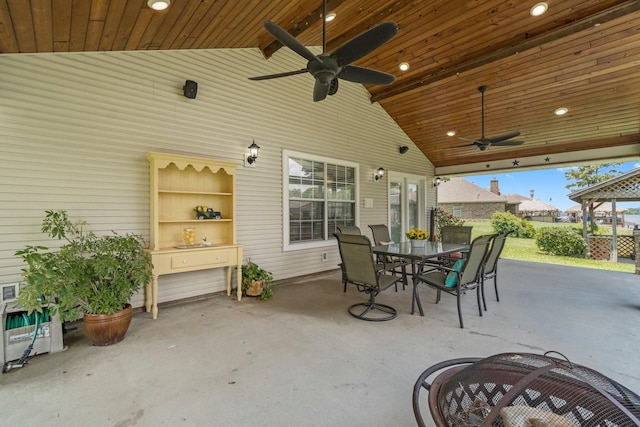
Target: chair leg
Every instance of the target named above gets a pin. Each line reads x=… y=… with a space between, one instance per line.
x=478 y=289
x=390 y=312
x=495 y=285
x=459 y=310
x=484 y=301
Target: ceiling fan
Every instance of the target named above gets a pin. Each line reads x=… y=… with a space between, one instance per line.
x=328 y=68
x=501 y=140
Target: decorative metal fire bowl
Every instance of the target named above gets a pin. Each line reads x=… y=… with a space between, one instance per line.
x=523 y=390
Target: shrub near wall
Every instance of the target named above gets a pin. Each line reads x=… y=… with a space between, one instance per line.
x=564 y=241
x=503 y=222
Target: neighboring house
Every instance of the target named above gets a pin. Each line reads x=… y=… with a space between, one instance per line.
x=464 y=199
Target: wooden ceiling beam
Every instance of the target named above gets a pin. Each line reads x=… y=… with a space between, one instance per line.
x=299 y=27
x=604 y=16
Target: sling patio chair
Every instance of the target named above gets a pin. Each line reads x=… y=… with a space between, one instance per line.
x=347 y=229
x=394 y=265
x=465 y=275
x=360 y=269
x=490 y=269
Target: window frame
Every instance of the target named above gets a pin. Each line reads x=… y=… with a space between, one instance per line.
x=329 y=239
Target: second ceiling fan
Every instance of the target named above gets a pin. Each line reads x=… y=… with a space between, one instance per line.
x=500 y=141
x=328 y=68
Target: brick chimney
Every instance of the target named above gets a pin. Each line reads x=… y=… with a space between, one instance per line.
x=494 y=187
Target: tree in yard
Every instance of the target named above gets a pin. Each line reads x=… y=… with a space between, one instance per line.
x=585 y=176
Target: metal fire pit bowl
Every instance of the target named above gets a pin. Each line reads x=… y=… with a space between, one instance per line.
x=523 y=390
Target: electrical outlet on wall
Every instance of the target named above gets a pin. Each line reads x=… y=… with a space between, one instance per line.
x=9 y=292
x=324 y=256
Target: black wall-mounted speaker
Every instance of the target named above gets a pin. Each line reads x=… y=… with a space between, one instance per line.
x=404 y=149
x=190 y=89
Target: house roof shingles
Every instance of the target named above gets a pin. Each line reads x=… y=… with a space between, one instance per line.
x=459 y=190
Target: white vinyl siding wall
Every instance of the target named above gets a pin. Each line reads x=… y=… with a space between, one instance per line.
x=74 y=129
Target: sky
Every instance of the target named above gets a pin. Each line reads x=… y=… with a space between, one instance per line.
x=549 y=185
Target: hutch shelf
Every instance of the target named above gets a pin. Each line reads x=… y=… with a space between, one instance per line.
x=179 y=183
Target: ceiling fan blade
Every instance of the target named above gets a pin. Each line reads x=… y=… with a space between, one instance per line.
x=507 y=143
x=365 y=43
x=288 y=40
x=476 y=143
x=365 y=76
x=275 y=76
x=320 y=91
x=504 y=137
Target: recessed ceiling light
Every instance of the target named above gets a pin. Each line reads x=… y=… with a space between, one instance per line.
x=404 y=66
x=561 y=111
x=538 y=8
x=451 y=133
x=330 y=17
x=158 y=4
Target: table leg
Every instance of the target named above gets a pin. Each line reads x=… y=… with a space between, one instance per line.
x=228 y=280
x=415 y=299
x=154 y=297
x=147 y=297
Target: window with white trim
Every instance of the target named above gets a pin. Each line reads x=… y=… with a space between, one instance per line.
x=457 y=211
x=319 y=194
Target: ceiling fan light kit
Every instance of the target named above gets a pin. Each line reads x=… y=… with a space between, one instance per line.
x=328 y=68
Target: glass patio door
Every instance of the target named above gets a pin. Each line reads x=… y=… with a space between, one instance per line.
x=406 y=204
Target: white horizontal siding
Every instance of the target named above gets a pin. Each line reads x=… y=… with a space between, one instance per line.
x=74 y=129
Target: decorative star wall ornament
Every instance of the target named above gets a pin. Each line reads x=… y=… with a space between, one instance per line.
x=547 y=159
x=516 y=163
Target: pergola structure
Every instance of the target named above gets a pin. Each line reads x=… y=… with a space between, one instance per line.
x=623 y=188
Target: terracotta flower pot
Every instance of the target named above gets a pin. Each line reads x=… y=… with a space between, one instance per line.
x=255 y=288
x=107 y=329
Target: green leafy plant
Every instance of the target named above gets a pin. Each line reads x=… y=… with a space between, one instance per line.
x=88 y=274
x=503 y=222
x=564 y=241
x=251 y=272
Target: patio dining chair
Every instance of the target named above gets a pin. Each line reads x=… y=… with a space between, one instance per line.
x=381 y=236
x=490 y=269
x=360 y=269
x=347 y=229
x=459 y=234
x=464 y=276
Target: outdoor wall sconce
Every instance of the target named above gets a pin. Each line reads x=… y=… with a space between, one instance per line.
x=437 y=181
x=379 y=174
x=158 y=4
x=252 y=155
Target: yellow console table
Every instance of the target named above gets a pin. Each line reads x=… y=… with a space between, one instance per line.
x=169 y=261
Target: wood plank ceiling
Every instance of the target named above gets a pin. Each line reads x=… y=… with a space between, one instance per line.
x=581 y=54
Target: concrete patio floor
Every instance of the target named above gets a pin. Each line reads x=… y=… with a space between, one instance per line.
x=301 y=360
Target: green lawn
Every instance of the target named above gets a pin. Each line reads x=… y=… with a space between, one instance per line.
x=527 y=250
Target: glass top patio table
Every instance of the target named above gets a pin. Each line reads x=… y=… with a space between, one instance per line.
x=430 y=250
x=417 y=255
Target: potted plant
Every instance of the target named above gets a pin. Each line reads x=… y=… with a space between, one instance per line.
x=89 y=275
x=256 y=281
x=417 y=237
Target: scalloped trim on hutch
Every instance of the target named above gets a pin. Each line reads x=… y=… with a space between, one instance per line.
x=178 y=184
